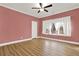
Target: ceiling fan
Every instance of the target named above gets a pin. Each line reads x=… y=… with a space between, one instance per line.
x=41 y=8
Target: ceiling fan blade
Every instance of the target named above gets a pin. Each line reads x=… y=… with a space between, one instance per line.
x=48 y=6
x=40 y=5
x=35 y=8
x=38 y=11
x=45 y=10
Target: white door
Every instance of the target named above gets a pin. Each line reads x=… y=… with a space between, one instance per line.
x=34 y=29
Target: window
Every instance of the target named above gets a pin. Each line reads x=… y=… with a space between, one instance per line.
x=59 y=26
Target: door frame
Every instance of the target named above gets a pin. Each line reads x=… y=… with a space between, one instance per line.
x=34 y=29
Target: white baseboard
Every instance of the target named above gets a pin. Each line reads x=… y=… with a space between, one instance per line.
x=76 y=43
x=13 y=42
x=18 y=41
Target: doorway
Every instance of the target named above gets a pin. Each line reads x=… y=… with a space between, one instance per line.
x=34 y=29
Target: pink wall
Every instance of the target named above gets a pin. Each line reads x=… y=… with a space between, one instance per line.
x=14 y=25
x=74 y=23
x=39 y=27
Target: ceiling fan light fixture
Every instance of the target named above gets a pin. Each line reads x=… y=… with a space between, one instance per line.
x=41 y=9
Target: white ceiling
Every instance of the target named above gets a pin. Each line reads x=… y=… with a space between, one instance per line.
x=27 y=8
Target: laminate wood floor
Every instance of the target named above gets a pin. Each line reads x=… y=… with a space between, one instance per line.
x=40 y=47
